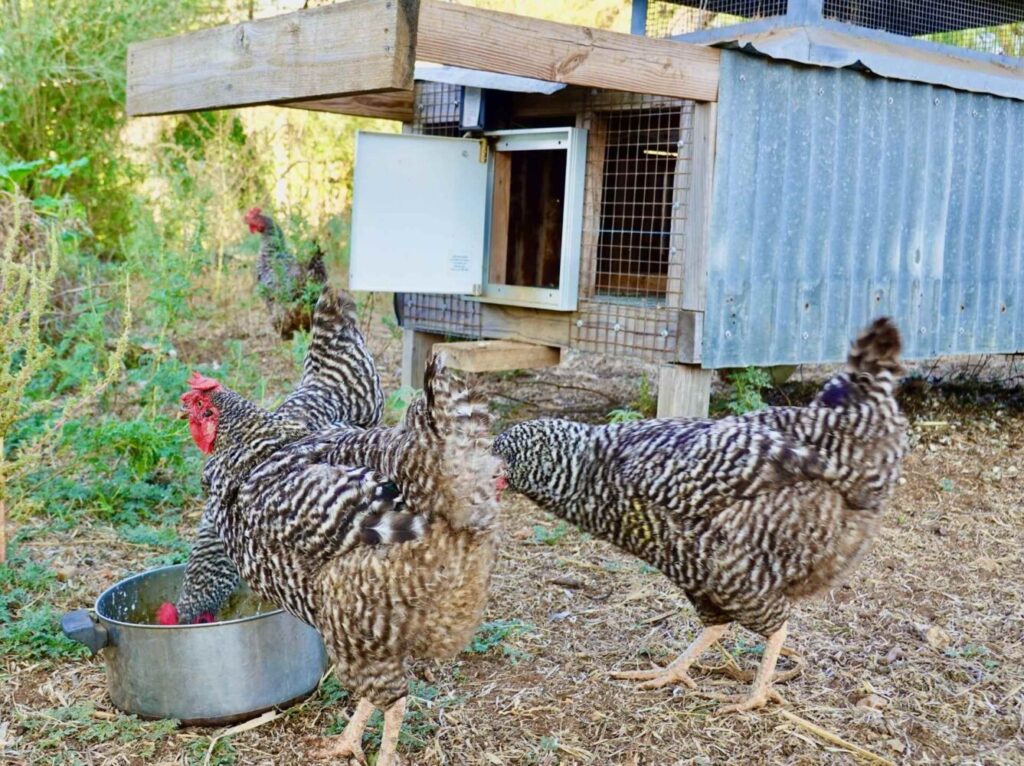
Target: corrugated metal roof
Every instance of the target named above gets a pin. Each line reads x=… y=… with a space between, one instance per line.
x=840 y=196
x=834 y=44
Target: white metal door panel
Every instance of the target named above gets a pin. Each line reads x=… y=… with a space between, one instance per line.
x=419 y=207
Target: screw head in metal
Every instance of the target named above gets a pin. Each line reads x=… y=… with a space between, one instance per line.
x=728 y=334
x=579 y=322
x=805 y=335
x=889 y=100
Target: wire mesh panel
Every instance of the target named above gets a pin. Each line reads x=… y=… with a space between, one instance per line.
x=436 y=109
x=436 y=113
x=665 y=19
x=991 y=26
x=639 y=156
x=637 y=186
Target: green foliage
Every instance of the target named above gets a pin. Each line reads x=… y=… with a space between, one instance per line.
x=491 y=635
x=397 y=402
x=550 y=535
x=747 y=387
x=62 y=92
x=55 y=727
x=29 y=627
x=223 y=753
x=624 y=416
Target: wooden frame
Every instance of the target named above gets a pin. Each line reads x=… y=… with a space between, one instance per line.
x=321 y=57
x=352 y=48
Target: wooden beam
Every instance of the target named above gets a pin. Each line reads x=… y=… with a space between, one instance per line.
x=496 y=355
x=684 y=391
x=417 y=348
x=396 y=105
x=459 y=35
x=696 y=233
x=350 y=48
x=546 y=328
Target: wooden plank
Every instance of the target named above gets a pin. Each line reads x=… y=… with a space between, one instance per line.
x=684 y=391
x=690 y=336
x=350 y=48
x=395 y=105
x=496 y=355
x=697 y=228
x=417 y=348
x=501 y=201
x=459 y=35
x=593 y=190
x=547 y=328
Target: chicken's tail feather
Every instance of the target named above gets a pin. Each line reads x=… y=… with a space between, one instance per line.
x=459 y=419
x=877 y=349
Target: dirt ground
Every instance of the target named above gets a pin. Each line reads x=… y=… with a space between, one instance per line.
x=919 y=659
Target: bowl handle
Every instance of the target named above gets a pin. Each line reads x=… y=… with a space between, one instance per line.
x=81 y=627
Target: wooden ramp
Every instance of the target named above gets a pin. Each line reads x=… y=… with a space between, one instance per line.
x=496 y=355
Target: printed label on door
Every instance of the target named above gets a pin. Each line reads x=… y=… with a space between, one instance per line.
x=458 y=263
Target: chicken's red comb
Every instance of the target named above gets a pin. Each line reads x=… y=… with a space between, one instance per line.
x=167 y=614
x=200 y=382
x=253 y=212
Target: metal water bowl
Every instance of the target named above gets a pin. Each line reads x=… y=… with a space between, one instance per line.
x=209 y=674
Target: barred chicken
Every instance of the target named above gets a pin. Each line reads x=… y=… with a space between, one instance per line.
x=287 y=285
x=746 y=514
x=339 y=385
x=321 y=528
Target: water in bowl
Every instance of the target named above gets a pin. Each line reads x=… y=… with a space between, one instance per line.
x=137 y=599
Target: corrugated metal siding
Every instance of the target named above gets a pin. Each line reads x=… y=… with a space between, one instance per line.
x=840 y=196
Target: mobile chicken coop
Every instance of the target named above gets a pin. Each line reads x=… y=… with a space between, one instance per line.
x=738 y=182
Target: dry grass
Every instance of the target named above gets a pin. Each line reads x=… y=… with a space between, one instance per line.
x=920 y=659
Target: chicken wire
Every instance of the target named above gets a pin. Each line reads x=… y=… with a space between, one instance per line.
x=988 y=26
x=666 y=19
x=638 y=175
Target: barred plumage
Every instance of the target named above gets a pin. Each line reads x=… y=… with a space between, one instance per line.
x=745 y=514
x=339 y=384
x=282 y=279
x=320 y=527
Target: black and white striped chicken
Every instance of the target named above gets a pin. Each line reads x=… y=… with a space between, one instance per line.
x=321 y=528
x=287 y=284
x=339 y=386
x=746 y=514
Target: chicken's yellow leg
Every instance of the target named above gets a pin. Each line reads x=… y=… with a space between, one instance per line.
x=392 y=727
x=677 y=671
x=349 y=744
x=761 y=693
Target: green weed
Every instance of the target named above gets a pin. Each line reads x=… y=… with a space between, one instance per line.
x=56 y=726
x=550 y=535
x=747 y=387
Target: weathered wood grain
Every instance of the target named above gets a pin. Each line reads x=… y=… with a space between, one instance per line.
x=355 y=47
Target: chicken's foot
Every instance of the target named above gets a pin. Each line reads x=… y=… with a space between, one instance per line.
x=737 y=673
x=393 y=716
x=676 y=672
x=761 y=693
x=349 y=744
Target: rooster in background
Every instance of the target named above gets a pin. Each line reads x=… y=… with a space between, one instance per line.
x=287 y=286
x=339 y=385
x=746 y=514
x=321 y=528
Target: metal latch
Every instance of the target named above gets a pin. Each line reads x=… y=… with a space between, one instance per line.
x=483 y=151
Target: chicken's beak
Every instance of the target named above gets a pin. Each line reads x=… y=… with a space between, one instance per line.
x=500 y=485
x=182 y=413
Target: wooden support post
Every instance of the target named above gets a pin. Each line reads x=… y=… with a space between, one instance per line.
x=416 y=351
x=497 y=355
x=684 y=391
